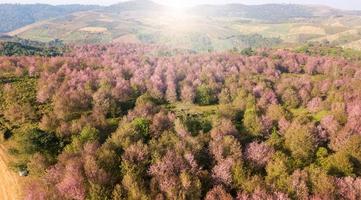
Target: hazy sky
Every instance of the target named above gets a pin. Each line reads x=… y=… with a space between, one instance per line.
x=343 y=4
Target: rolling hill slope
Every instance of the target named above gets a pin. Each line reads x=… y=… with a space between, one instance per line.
x=14 y=16
x=201 y=28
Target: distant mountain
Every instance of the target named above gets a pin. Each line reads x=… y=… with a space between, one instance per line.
x=14 y=16
x=266 y=12
x=135 y=5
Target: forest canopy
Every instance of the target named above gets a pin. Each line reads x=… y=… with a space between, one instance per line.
x=130 y=121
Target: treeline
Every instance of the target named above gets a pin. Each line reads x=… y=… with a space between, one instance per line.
x=327 y=49
x=121 y=122
x=19 y=49
x=254 y=41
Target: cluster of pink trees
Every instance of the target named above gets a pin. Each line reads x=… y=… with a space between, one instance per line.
x=286 y=125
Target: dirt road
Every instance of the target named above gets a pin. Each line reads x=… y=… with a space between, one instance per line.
x=9 y=180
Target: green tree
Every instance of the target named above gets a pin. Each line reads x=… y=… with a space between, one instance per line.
x=134 y=167
x=129 y=133
x=278 y=171
x=321 y=183
x=88 y=134
x=118 y=192
x=98 y=192
x=290 y=98
x=339 y=164
x=251 y=122
x=248 y=52
x=31 y=140
x=205 y=95
x=301 y=142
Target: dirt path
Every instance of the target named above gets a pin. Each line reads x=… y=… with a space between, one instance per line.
x=9 y=180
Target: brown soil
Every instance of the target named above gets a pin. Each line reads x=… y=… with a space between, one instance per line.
x=9 y=180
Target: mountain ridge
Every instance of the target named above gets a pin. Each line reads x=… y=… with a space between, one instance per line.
x=13 y=16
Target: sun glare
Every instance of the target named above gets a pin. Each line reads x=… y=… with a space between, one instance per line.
x=178 y=5
x=178 y=8
x=176 y=18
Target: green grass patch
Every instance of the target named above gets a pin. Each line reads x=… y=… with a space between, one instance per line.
x=320 y=115
x=305 y=112
x=192 y=108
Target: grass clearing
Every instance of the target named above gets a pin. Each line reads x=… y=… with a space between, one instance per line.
x=192 y=109
x=308 y=30
x=320 y=115
x=94 y=29
x=305 y=112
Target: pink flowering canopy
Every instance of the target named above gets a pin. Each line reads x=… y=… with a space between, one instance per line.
x=132 y=121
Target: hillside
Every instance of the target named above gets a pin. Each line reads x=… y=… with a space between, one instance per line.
x=201 y=28
x=18 y=49
x=15 y=46
x=267 y=12
x=14 y=16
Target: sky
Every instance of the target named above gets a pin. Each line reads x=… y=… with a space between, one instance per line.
x=341 y=4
